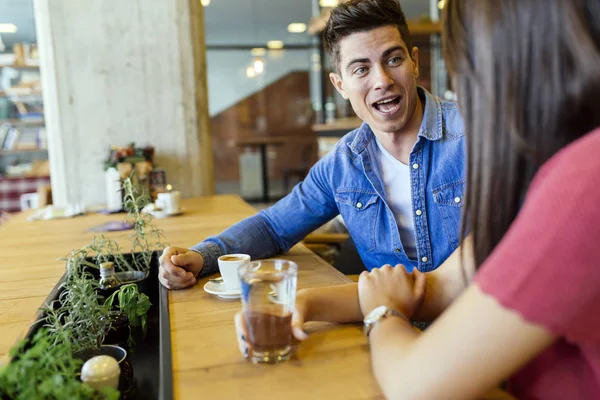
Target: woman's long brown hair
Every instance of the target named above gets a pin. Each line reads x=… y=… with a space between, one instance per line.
x=527 y=76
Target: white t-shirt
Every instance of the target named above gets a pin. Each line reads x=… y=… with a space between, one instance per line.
x=396 y=180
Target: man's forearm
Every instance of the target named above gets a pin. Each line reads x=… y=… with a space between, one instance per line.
x=437 y=298
x=251 y=236
x=447 y=282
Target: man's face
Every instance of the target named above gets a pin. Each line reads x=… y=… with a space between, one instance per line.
x=379 y=78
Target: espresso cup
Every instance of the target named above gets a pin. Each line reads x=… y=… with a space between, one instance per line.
x=228 y=266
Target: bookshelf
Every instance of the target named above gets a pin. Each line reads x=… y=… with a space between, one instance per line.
x=28 y=136
x=22 y=124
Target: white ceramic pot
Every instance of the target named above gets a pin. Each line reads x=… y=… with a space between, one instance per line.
x=101 y=371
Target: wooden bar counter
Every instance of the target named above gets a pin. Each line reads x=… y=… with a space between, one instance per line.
x=333 y=363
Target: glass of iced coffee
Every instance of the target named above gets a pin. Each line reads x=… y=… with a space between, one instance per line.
x=268 y=298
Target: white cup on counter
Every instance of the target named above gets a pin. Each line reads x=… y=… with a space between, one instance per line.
x=228 y=266
x=169 y=202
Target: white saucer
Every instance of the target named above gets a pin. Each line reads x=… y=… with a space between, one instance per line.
x=220 y=290
x=171 y=214
x=163 y=214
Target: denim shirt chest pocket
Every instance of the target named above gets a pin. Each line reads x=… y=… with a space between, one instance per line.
x=359 y=209
x=449 y=199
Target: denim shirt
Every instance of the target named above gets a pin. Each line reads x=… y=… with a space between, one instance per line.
x=347 y=181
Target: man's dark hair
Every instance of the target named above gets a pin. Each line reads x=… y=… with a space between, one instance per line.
x=361 y=16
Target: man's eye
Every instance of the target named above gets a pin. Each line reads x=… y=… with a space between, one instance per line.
x=360 y=71
x=395 y=61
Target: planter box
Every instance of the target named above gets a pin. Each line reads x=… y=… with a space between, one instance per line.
x=151 y=358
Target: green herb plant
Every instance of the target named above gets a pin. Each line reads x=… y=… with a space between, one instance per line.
x=45 y=367
x=145 y=237
x=47 y=370
x=134 y=305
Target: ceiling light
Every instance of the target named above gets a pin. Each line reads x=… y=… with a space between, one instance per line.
x=8 y=28
x=275 y=44
x=259 y=66
x=250 y=72
x=328 y=3
x=296 y=27
x=441 y=4
x=258 y=51
x=205 y=3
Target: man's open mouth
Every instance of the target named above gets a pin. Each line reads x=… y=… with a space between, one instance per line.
x=388 y=106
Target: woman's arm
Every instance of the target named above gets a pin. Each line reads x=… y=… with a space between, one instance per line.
x=471 y=348
x=340 y=303
x=332 y=304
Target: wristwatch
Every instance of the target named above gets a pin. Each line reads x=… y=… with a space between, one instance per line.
x=379 y=314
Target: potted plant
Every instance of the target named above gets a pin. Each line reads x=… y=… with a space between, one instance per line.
x=133 y=304
x=46 y=369
x=76 y=324
x=145 y=238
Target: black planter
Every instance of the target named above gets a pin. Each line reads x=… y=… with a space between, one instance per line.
x=151 y=358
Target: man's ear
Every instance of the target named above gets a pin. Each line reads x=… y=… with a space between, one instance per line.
x=338 y=83
x=415 y=61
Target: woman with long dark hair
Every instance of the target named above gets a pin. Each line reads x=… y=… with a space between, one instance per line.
x=527 y=75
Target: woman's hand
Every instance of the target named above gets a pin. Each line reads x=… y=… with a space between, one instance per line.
x=391 y=287
x=298 y=318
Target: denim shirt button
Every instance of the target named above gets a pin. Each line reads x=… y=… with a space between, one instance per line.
x=359 y=205
x=424 y=259
x=415 y=166
x=418 y=212
x=457 y=200
x=397 y=250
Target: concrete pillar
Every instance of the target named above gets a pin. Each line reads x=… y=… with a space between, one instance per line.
x=115 y=72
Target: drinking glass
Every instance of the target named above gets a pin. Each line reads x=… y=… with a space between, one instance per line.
x=268 y=299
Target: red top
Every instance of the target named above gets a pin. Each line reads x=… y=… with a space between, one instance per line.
x=547 y=268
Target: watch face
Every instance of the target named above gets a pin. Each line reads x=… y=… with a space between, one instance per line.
x=375 y=314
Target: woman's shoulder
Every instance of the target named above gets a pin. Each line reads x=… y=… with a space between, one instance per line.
x=578 y=163
x=584 y=150
x=553 y=244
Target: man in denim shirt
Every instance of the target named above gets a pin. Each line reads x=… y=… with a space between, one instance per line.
x=397 y=180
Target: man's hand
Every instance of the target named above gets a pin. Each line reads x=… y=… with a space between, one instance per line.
x=391 y=287
x=179 y=267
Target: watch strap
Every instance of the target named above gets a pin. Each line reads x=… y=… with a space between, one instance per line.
x=388 y=312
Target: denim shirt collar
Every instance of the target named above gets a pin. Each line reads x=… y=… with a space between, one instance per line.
x=431 y=125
